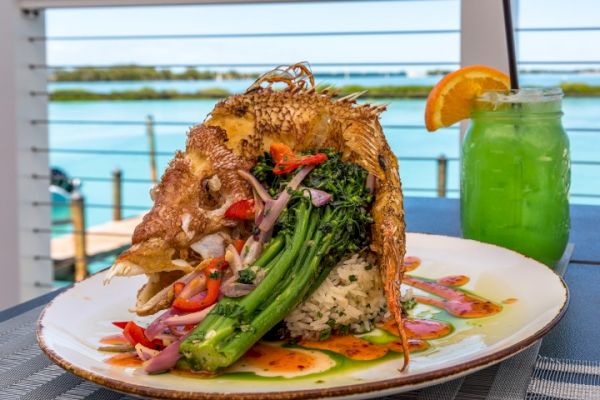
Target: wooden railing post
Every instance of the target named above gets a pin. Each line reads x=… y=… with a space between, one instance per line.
x=117 y=194
x=78 y=217
x=151 y=147
x=442 y=175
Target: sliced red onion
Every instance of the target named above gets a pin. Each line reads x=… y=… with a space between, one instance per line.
x=264 y=237
x=166 y=359
x=370 y=184
x=252 y=249
x=233 y=259
x=166 y=338
x=258 y=187
x=189 y=319
x=158 y=326
x=195 y=286
x=187 y=278
x=317 y=197
x=236 y=289
x=259 y=207
x=145 y=353
x=176 y=331
x=273 y=210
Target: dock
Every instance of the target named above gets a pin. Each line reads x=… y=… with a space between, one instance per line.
x=101 y=241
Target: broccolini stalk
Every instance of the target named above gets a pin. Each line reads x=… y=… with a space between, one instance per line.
x=315 y=240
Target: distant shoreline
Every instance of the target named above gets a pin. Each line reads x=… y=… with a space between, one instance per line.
x=376 y=92
x=123 y=73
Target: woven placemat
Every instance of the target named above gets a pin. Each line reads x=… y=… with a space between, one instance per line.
x=564 y=379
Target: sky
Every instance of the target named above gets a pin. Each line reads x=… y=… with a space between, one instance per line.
x=359 y=16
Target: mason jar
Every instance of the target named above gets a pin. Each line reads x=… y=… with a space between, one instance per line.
x=515 y=173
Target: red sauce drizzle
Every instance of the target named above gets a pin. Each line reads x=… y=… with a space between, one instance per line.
x=129 y=359
x=411 y=263
x=419 y=328
x=454 y=301
x=359 y=349
x=453 y=280
x=277 y=359
x=117 y=339
x=511 y=300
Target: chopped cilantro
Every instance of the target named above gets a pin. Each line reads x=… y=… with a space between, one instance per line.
x=325 y=334
x=247 y=276
x=352 y=278
x=344 y=329
x=409 y=304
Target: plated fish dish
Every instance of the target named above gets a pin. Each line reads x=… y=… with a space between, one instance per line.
x=283 y=218
x=270 y=266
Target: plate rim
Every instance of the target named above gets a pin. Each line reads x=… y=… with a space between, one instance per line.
x=367 y=388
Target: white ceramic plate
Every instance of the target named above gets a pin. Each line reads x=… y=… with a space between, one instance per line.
x=71 y=326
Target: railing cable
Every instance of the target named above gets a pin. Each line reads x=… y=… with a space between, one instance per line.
x=245 y=35
x=102 y=206
x=108 y=152
x=255 y=65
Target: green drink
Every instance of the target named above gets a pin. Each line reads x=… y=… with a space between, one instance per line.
x=516 y=173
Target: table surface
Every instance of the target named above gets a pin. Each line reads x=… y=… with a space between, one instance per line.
x=576 y=335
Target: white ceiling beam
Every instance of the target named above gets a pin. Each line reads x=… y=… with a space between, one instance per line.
x=44 y=4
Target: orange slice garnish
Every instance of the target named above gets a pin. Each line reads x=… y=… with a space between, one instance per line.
x=451 y=100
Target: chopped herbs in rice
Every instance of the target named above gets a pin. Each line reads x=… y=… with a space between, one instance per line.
x=350 y=300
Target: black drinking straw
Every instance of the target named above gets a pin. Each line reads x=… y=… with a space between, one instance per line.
x=510 y=45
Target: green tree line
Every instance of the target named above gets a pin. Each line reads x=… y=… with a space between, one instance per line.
x=139 y=73
x=377 y=92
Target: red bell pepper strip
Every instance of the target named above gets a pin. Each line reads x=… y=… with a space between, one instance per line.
x=136 y=334
x=287 y=166
x=239 y=245
x=217 y=263
x=178 y=288
x=281 y=152
x=242 y=209
x=120 y=324
x=213 y=273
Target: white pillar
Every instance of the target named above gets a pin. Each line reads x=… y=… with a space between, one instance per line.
x=482 y=36
x=23 y=276
x=482 y=39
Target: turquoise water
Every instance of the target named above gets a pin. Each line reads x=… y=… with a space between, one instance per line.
x=406 y=143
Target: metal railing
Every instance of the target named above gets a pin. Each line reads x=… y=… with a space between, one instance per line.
x=78 y=205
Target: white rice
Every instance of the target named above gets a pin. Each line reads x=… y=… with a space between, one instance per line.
x=350 y=299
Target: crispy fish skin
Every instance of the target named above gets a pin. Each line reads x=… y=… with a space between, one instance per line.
x=303 y=118
x=179 y=217
x=181 y=188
